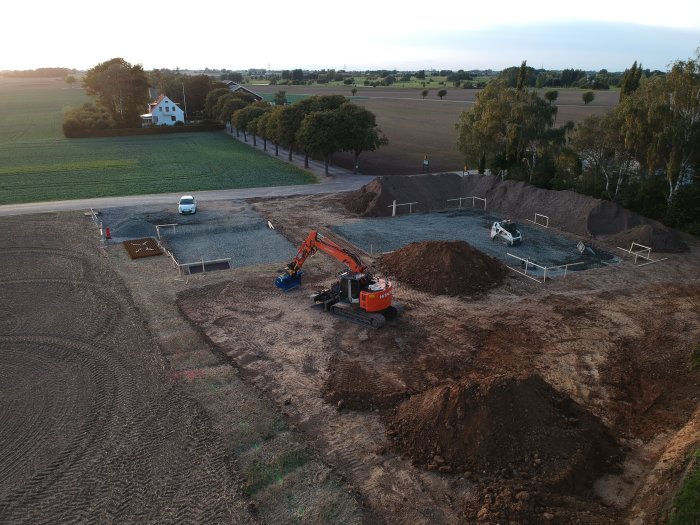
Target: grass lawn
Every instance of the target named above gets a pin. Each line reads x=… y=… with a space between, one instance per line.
x=38 y=164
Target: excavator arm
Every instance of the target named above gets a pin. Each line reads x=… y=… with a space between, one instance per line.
x=316 y=241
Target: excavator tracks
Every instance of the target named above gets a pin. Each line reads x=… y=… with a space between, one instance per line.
x=373 y=320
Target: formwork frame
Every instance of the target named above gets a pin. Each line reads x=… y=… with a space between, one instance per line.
x=527 y=263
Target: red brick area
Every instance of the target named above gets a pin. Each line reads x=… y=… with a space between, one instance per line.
x=142 y=248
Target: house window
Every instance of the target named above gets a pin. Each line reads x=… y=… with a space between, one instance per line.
x=173 y=118
x=160 y=109
x=167 y=108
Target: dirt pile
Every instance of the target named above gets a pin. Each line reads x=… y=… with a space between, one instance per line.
x=516 y=427
x=590 y=217
x=444 y=268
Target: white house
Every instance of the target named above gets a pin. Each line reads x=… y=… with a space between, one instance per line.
x=163 y=112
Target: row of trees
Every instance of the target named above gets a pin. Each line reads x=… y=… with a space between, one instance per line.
x=644 y=154
x=318 y=126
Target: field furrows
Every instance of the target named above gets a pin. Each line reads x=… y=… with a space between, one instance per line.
x=90 y=427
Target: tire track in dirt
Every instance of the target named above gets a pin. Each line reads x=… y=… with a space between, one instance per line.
x=90 y=427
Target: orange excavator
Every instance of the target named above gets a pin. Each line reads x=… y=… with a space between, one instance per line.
x=357 y=295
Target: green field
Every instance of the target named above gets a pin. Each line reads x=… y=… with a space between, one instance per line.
x=38 y=164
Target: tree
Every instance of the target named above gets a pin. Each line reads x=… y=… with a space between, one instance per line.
x=71 y=80
x=442 y=93
x=551 y=96
x=661 y=124
x=630 y=80
x=358 y=131
x=242 y=118
x=272 y=126
x=212 y=100
x=600 y=146
x=227 y=105
x=290 y=119
x=280 y=98
x=588 y=97
x=424 y=93
x=195 y=91
x=507 y=127
x=318 y=135
x=120 y=88
x=521 y=82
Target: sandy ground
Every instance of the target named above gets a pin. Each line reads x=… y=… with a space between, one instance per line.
x=257 y=405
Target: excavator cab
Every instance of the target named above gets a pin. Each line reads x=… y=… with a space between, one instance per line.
x=350 y=286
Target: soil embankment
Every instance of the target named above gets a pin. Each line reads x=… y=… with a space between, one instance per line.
x=593 y=218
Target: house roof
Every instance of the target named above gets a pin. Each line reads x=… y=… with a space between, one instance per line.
x=158 y=101
x=235 y=86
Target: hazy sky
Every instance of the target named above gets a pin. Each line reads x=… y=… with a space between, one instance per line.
x=353 y=34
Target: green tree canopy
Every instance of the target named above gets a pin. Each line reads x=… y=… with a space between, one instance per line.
x=318 y=135
x=661 y=124
x=506 y=127
x=242 y=118
x=357 y=130
x=119 y=88
x=630 y=80
x=212 y=99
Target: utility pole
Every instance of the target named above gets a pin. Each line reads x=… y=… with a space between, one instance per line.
x=184 y=101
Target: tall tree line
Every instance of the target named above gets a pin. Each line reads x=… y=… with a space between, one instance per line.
x=643 y=154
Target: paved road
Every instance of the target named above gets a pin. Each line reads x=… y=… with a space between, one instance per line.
x=339 y=180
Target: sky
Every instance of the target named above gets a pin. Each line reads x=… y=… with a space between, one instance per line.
x=350 y=35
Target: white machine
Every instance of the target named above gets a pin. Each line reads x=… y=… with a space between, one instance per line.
x=507 y=231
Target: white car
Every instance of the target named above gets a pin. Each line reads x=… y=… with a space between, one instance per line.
x=507 y=231
x=187 y=205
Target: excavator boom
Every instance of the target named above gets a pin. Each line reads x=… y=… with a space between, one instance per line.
x=316 y=241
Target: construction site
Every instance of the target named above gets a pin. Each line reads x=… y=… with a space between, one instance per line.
x=549 y=380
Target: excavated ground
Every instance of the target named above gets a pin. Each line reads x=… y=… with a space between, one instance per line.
x=598 y=362
x=492 y=399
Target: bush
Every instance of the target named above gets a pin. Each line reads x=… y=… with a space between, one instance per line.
x=686 y=504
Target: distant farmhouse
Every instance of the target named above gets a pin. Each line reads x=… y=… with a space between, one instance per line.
x=163 y=112
x=234 y=87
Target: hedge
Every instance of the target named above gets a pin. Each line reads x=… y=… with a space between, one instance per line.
x=86 y=133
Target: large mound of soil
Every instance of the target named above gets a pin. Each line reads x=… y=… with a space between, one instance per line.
x=519 y=426
x=444 y=267
x=567 y=210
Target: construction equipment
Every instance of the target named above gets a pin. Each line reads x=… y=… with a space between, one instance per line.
x=507 y=231
x=357 y=295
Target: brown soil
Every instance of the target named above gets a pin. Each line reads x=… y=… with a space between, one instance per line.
x=142 y=248
x=444 y=267
x=525 y=375
x=521 y=425
x=593 y=218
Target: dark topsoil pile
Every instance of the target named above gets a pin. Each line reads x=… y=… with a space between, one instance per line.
x=520 y=427
x=444 y=267
x=567 y=210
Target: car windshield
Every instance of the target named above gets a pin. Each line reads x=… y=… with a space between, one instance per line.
x=186 y=201
x=511 y=227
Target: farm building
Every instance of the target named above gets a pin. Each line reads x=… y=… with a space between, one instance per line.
x=163 y=112
x=235 y=87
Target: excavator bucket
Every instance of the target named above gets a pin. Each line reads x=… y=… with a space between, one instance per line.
x=287 y=282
